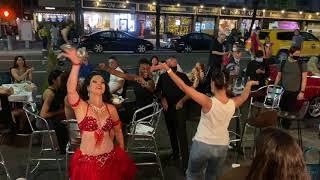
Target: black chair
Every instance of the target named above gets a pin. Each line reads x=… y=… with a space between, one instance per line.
x=5 y=78
x=264 y=119
x=296 y=116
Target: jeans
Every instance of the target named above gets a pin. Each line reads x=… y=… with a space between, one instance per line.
x=176 y=124
x=206 y=161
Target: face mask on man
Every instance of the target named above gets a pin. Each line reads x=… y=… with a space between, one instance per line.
x=259 y=59
x=174 y=69
x=234 y=49
x=295 y=57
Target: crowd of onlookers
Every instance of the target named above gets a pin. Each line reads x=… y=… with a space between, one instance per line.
x=165 y=81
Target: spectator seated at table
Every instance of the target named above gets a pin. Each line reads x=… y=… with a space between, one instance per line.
x=196 y=76
x=115 y=83
x=258 y=70
x=20 y=71
x=53 y=107
x=86 y=68
x=277 y=156
x=313 y=66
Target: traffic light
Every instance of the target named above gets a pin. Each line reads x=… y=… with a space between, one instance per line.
x=6 y=14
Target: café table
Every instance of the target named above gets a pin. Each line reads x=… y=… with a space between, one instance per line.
x=23 y=92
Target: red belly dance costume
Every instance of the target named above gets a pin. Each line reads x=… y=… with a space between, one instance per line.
x=114 y=165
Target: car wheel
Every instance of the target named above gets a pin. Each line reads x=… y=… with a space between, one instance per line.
x=188 y=48
x=141 y=48
x=283 y=55
x=314 y=107
x=98 y=48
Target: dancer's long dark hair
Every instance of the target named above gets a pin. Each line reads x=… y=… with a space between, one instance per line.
x=106 y=97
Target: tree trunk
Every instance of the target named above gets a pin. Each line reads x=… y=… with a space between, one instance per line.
x=158 y=25
x=254 y=15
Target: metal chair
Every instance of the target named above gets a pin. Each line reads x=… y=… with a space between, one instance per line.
x=272 y=93
x=29 y=109
x=297 y=116
x=264 y=119
x=4 y=133
x=2 y=162
x=141 y=133
x=74 y=138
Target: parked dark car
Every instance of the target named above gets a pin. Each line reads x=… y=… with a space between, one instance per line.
x=192 y=41
x=114 y=41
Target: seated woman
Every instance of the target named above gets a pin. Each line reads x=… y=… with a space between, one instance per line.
x=197 y=75
x=154 y=70
x=277 y=156
x=313 y=66
x=20 y=70
x=53 y=107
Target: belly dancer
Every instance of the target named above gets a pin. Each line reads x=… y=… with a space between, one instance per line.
x=98 y=158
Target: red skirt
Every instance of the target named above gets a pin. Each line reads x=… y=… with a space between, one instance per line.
x=115 y=165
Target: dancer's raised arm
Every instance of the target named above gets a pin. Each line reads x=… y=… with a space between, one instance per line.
x=73 y=96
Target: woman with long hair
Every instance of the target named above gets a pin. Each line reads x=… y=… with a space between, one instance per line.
x=277 y=157
x=20 y=71
x=98 y=158
x=210 y=143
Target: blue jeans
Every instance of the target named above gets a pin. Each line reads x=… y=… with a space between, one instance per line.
x=206 y=161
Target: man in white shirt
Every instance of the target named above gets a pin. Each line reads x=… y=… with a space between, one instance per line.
x=115 y=83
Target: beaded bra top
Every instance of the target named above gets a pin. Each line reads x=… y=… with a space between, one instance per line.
x=89 y=123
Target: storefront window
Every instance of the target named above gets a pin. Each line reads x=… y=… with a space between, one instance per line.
x=179 y=25
x=146 y=25
x=205 y=25
x=110 y=21
x=314 y=28
x=226 y=25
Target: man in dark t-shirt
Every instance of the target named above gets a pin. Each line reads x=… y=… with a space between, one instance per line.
x=172 y=100
x=217 y=51
x=293 y=78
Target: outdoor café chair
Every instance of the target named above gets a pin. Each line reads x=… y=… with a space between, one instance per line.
x=46 y=135
x=267 y=118
x=141 y=134
x=296 y=116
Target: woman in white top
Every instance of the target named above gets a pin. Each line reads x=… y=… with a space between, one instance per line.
x=20 y=70
x=210 y=144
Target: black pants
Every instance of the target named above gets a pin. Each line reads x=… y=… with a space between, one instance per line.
x=61 y=133
x=176 y=124
x=45 y=43
x=288 y=103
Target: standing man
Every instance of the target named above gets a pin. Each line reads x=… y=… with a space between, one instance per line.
x=44 y=34
x=54 y=31
x=172 y=100
x=217 y=51
x=297 y=40
x=115 y=83
x=293 y=77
